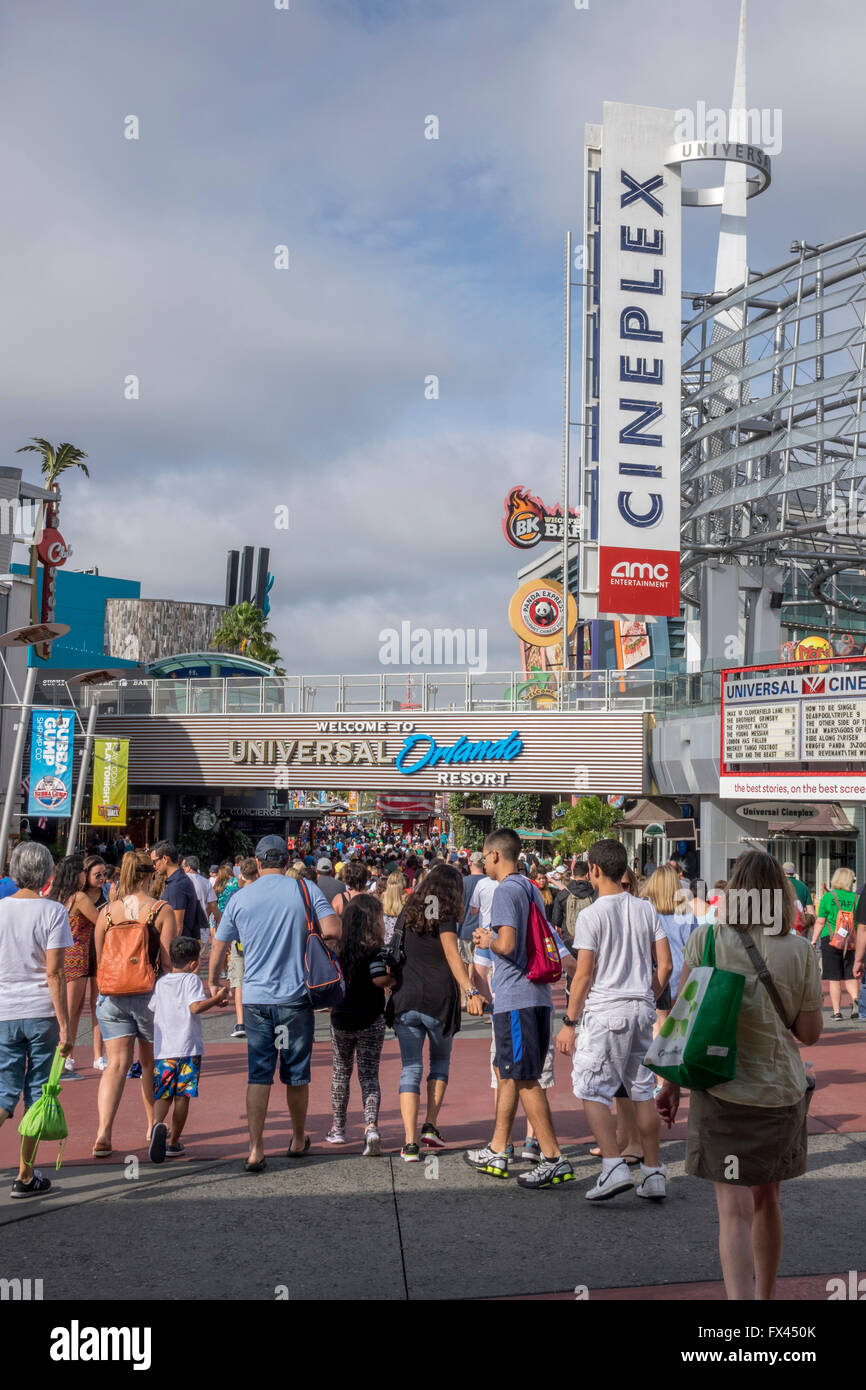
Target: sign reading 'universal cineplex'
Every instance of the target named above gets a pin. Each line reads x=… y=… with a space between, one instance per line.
x=802 y=733
x=537 y=751
x=639 y=365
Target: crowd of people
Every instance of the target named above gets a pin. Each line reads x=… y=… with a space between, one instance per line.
x=424 y=936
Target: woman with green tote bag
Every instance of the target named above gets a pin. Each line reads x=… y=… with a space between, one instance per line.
x=748 y=1134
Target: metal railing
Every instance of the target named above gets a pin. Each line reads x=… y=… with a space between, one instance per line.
x=422 y=691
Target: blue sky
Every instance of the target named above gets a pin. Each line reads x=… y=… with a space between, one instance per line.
x=408 y=257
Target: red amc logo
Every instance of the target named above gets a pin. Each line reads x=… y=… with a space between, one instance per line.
x=639 y=581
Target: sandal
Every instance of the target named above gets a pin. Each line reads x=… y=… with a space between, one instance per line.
x=256 y=1167
x=101 y=1153
x=301 y=1153
x=632 y=1160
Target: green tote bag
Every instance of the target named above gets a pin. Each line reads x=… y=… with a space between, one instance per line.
x=697 y=1044
x=45 y=1118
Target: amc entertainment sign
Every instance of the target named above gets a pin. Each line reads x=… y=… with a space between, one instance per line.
x=541 y=751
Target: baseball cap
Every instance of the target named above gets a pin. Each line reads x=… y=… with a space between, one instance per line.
x=324 y=865
x=271 y=844
x=476 y=857
x=789 y=867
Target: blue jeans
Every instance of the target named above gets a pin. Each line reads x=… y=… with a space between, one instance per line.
x=284 y=1030
x=861 y=1002
x=412 y=1028
x=27 y=1047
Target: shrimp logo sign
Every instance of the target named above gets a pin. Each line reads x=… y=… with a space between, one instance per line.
x=51 y=762
x=638 y=450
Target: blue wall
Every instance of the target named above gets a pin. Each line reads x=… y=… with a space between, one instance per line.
x=80 y=601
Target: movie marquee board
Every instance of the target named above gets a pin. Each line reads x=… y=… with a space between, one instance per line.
x=539 y=751
x=787 y=732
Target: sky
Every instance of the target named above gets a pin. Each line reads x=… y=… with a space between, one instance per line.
x=304 y=388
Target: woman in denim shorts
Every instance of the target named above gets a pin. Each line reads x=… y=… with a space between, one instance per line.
x=125 y=1017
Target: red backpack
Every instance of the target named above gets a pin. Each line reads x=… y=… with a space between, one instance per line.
x=543 y=965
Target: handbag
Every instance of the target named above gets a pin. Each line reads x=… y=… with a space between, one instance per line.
x=766 y=979
x=844 y=934
x=323 y=978
x=697 y=1043
x=394 y=954
x=45 y=1118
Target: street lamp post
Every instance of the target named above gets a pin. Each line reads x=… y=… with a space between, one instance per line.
x=86 y=678
x=23 y=637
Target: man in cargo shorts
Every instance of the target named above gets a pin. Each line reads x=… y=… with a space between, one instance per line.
x=615 y=987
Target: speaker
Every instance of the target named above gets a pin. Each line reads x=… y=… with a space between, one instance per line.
x=776 y=599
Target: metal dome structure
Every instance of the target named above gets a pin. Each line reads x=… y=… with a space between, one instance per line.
x=773 y=395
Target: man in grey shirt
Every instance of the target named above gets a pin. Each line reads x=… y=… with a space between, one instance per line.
x=521 y=1021
x=332 y=888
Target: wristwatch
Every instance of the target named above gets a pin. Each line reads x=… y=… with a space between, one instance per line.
x=568 y=1022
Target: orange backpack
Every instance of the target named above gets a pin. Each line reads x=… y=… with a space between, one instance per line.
x=125 y=966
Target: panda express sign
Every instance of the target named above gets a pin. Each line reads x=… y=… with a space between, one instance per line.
x=540 y=751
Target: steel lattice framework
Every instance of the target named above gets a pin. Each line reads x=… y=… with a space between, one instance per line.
x=773 y=470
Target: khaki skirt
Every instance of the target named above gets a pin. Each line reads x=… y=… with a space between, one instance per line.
x=745 y=1145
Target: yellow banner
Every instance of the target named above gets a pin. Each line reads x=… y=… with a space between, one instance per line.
x=110 y=779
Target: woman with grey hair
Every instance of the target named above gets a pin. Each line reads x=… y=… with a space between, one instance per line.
x=34 y=939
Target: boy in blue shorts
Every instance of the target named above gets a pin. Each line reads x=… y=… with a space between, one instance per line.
x=176 y=1003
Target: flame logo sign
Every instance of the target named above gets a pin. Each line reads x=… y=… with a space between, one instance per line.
x=523 y=522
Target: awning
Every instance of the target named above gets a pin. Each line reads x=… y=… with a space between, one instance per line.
x=830 y=821
x=648 y=811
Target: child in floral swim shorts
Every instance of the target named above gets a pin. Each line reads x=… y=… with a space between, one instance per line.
x=176 y=1003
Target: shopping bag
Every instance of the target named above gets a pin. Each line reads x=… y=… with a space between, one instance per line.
x=45 y=1118
x=697 y=1043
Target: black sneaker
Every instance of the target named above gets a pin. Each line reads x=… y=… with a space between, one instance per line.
x=550 y=1172
x=239 y=1031
x=431 y=1137
x=33 y=1188
x=410 y=1153
x=158 y=1141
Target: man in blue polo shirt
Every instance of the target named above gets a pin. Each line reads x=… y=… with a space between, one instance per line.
x=178 y=891
x=269 y=917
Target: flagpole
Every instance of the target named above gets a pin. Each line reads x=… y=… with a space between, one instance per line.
x=82 y=776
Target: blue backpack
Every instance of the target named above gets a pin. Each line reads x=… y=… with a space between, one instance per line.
x=323 y=978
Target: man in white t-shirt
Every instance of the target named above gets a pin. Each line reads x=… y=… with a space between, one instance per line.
x=481 y=903
x=34 y=1021
x=615 y=987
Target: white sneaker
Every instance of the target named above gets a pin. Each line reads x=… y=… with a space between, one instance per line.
x=606 y=1185
x=101 y=1063
x=654 y=1185
x=372 y=1144
x=336 y=1136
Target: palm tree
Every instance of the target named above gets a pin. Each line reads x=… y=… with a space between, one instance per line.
x=56 y=461
x=590 y=820
x=243 y=631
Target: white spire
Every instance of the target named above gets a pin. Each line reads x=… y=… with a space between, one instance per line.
x=731 y=258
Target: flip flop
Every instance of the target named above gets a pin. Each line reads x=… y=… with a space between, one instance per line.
x=256 y=1167
x=102 y=1153
x=632 y=1160
x=302 y=1153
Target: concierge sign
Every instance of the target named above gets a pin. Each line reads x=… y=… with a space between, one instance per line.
x=639 y=327
x=794 y=731
x=538 y=751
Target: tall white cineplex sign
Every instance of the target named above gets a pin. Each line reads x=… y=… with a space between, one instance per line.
x=637 y=341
